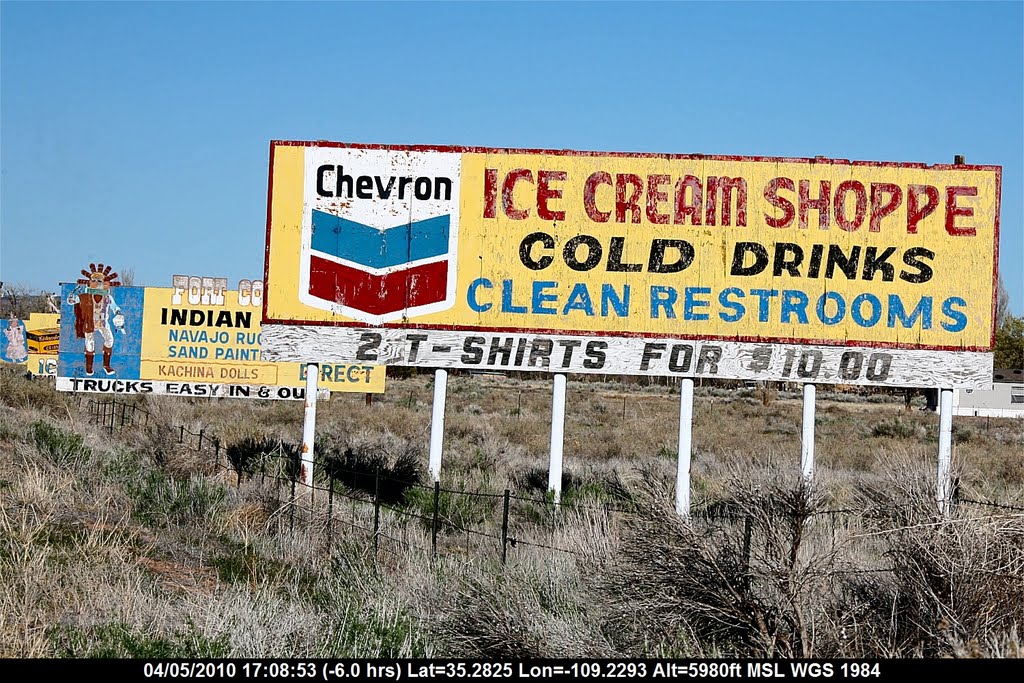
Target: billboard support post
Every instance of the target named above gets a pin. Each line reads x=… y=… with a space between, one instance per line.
x=685 y=447
x=945 y=449
x=309 y=423
x=437 y=422
x=945 y=429
x=807 y=439
x=557 y=438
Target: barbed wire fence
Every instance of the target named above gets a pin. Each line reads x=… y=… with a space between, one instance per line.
x=446 y=531
x=455 y=521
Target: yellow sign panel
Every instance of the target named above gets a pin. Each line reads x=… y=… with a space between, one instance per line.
x=818 y=251
x=38 y=321
x=219 y=343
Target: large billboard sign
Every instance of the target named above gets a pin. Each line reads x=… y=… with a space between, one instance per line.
x=817 y=270
x=196 y=338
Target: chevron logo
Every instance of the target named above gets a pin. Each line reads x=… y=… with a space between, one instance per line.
x=379 y=271
x=379 y=233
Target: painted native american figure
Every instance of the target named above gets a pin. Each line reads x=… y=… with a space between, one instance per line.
x=95 y=311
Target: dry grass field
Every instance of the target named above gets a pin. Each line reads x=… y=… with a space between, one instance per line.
x=132 y=539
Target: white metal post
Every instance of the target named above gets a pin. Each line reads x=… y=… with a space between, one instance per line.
x=437 y=422
x=807 y=440
x=685 y=447
x=945 y=448
x=309 y=424
x=557 y=438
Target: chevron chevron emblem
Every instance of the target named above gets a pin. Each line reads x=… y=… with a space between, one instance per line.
x=380 y=256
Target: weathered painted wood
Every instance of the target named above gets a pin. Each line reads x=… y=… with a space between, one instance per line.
x=753 y=249
x=685 y=447
x=807 y=434
x=817 y=364
x=557 y=438
x=437 y=423
x=200 y=389
x=945 y=450
x=309 y=424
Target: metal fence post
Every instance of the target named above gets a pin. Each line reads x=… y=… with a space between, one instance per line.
x=504 y=529
x=181 y=434
x=433 y=524
x=200 y=438
x=748 y=528
x=330 y=508
x=291 y=521
x=376 y=510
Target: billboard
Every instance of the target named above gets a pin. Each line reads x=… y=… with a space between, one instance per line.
x=32 y=343
x=43 y=343
x=197 y=338
x=13 y=340
x=821 y=270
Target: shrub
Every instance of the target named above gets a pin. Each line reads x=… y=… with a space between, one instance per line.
x=950 y=584
x=63 y=447
x=607 y=486
x=20 y=391
x=963 y=434
x=536 y=479
x=895 y=428
x=120 y=641
x=456 y=510
x=249 y=453
x=245 y=566
x=277 y=458
x=748 y=587
x=370 y=472
x=161 y=500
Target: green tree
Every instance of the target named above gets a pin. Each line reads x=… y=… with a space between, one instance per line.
x=1002 y=303
x=1010 y=343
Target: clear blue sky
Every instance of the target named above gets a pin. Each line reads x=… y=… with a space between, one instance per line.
x=137 y=133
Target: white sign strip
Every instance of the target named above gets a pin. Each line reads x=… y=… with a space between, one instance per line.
x=665 y=357
x=135 y=386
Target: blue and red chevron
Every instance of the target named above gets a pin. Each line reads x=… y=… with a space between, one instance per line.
x=394 y=252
